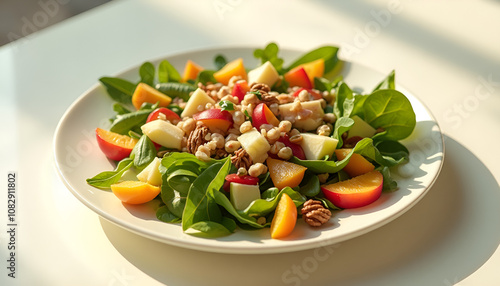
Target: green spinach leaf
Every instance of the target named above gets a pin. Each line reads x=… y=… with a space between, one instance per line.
x=328 y=53
x=107 y=178
x=200 y=204
x=144 y=152
x=167 y=72
x=270 y=53
x=119 y=90
x=390 y=110
x=126 y=122
x=388 y=83
x=220 y=61
x=147 y=73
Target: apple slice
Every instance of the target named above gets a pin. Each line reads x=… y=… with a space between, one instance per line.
x=241 y=195
x=356 y=192
x=255 y=144
x=151 y=174
x=316 y=147
x=215 y=119
x=240 y=88
x=298 y=77
x=263 y=115
x=266 y=74
x=361 y=128
x=115 y=146
x=163 y=133
x=357 y=165
x=307 y=123
x=199 y=97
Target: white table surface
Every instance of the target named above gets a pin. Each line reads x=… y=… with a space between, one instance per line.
x=446 y=52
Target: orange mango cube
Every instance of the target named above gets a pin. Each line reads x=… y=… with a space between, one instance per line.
x=233 y=68
x=285 y=174
x=191 y=71
x=145 y=93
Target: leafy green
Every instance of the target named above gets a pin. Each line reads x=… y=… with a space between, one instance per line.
x=392 y=149
x=144 y=152
x=310 y=185
x=270 y=53
x=344 y=101
x=208 y=229
x=119 y=90
x=126 y=122
x=220 y=61
x=165 y=215
x=176 y=89
x=390 y=110
x=388 y=83
x=167 y=72
x=389 y=185
x=206 y=76
x=328 y=53
x=107 y=178
x=200 y=204
x=226 y=105
x=147 y=73
x=262 y=207
x=364 y=147
x=342 y=125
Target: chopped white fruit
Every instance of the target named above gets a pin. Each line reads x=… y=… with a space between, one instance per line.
x=255 y=144
x=316 y=147
x=151 y=174
x=242 y=195
x=306 y=115
x=199 y=97
x=266 y=73
x=163 y=133
x=361 y=128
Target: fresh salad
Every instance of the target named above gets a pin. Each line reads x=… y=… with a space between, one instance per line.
x=252 y=147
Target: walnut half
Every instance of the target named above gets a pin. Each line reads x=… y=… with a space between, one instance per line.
x=314 y=213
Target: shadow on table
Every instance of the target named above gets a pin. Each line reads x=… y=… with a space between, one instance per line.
x=443 y=239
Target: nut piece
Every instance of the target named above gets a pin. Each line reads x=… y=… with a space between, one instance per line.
x=314 y=213
x=241 y=159
x=197 y=138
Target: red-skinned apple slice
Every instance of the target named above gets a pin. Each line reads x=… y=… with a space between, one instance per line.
x=356 y=192
x=312 y=92
x=215 y=119
x=115 y=146
x=263 y=115
x=169 y=114
x=298 y=77
x=234 y=178
x=240 y=88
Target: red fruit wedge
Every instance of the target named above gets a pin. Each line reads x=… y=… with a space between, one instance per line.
x=115 y=146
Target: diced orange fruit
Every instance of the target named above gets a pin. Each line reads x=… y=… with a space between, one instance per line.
x=314 y=69
x=145 y=93
x=135 y=192
x=285 y=174
x=285 y=217
x=298 y=77
x=191 y=71
x=233 y=68
x=357 y=165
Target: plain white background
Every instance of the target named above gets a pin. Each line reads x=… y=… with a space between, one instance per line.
x=445 y=52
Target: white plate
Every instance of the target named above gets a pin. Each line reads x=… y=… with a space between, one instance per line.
x=78 y=157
